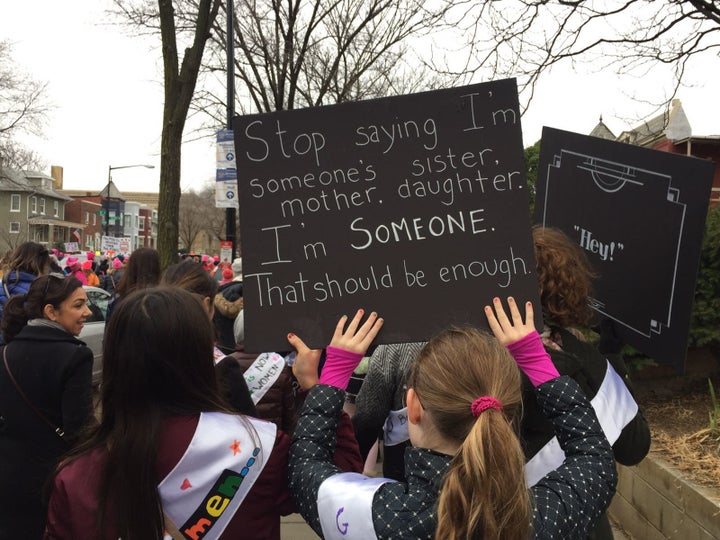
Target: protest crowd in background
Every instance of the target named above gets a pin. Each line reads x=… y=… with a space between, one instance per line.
x=175 y=343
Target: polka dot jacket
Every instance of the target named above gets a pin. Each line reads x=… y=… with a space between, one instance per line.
x=566 y=502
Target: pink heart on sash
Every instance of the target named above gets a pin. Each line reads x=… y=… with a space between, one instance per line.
x=186 y=484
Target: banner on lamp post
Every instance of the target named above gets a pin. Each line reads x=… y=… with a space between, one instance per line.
x=226 y=175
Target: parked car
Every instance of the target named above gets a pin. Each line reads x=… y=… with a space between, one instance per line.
x=94 y=329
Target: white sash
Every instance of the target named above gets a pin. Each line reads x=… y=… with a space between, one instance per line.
x=396 y=427
x=218 y=355
x=263 y=373
x=222 y=462
x=345 y=506
x=615 y=408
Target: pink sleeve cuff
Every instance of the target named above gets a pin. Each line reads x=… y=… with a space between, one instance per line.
x=533 y=359
x=339 y=367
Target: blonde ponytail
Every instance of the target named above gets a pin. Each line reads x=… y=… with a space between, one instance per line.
x=484 y=493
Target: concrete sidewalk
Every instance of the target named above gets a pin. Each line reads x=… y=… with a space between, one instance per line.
x=293 y=527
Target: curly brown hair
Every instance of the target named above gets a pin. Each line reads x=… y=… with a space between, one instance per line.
x=565 y=277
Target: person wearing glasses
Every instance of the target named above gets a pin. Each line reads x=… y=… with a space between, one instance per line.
x=45 y=395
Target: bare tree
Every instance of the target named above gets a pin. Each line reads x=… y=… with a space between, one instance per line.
x=23 y=110
x=10 y=240
x=525 y=38
x=289 y=54
x=307 y=53
x=197 y=214
x=180 y=78
x=191 y=221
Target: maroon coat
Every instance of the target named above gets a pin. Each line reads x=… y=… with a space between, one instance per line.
x=280 y=405
x=73 y=503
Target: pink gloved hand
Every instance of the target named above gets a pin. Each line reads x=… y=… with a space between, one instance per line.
x=348 y=347
x=522 y=340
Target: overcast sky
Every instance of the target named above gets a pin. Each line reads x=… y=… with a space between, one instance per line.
x=107 y=92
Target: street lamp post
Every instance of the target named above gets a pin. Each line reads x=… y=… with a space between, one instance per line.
x=106 y=199
x=230 y=214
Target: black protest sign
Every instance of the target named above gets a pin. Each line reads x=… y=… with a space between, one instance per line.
x=639 y=214
x=413 y=206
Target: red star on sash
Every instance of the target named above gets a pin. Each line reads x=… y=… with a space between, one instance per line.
x=235 y=447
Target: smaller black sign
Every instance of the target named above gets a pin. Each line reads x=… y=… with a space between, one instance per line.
x=639 y=214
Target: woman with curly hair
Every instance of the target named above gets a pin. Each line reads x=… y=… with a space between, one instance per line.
x=565 y=279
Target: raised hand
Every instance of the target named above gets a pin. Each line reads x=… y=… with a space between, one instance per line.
x=305 y=367
x=505 y=330
x=347 y=348
x=522 y=340
x=356 y=338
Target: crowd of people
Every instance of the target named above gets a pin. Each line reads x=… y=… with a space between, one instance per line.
x=192 y=436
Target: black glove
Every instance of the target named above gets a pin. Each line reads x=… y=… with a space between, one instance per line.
x=610 y=341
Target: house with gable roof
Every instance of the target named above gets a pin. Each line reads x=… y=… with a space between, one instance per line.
x=671 y=131
x=32 y=210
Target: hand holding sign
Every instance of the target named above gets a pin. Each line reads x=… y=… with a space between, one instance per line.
x=505 y=330
x=354 y=339
x=305 y=366
x=348 y=347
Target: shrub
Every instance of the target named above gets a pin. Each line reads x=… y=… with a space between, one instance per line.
x=705 y=319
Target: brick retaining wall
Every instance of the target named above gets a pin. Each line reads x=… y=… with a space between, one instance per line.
x=654 y=502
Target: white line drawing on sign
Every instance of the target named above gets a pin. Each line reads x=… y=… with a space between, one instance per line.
x=611 y=177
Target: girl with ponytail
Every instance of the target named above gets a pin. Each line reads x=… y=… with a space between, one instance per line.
x=476 y=407
x=465 y=472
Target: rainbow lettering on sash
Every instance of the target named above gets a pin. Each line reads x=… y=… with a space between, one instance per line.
x=216 y=501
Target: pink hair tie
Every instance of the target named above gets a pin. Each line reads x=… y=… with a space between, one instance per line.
x=483 y=403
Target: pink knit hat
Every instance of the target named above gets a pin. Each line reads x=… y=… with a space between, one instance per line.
x=87 y=265
x=117 y=263
x=90 y=255
x=73 y=264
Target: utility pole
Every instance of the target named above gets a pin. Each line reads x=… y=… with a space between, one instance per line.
x=230 y=215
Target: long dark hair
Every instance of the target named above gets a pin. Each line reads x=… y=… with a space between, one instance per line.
x=142 y=271
x=192 y=277
x=51 y=289
x=29 y=257
x=157 y=362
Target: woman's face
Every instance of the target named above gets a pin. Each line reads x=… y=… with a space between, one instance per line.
x=71 y=313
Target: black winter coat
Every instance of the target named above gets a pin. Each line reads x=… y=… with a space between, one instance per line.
x=54 y=370
x=584 y=363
